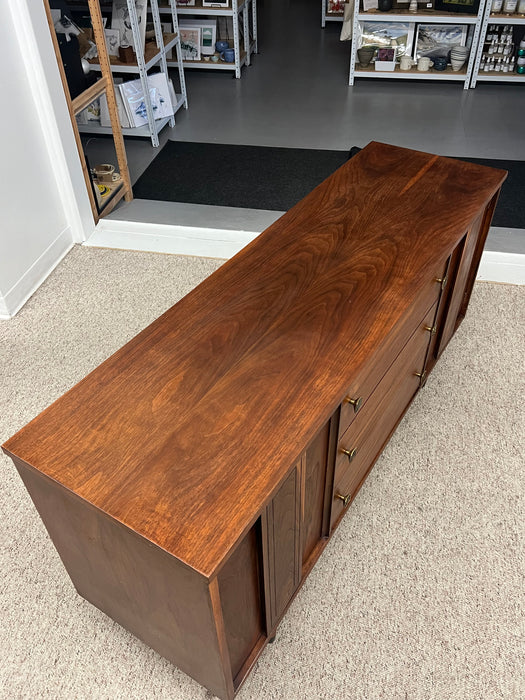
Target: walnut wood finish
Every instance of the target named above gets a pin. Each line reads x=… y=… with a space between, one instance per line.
x=455 y=301
x=241 y=599
x=141 y=587
x=374 y=424
x=206 y=447
x=329 y=280
x=365 y=382
x=313 y=491
x=283 y=533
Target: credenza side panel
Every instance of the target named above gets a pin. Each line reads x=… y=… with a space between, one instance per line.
x=138 y=585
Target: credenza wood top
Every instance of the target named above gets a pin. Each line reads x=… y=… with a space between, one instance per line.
x=186 y=431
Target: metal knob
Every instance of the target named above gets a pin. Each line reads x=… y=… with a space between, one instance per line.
x=422 y=377
x=356 y=403
x=349 y=453
x=442 y=281
x=431 y=329
x=345 y=499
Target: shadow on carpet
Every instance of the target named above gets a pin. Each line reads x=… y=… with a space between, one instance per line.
x=274 y=179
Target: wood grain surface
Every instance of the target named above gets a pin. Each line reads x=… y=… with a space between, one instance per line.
x=187 y=431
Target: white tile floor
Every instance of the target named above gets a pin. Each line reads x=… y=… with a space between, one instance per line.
x=296 y=94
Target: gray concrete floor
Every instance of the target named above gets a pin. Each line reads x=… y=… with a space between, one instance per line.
x=296 y=94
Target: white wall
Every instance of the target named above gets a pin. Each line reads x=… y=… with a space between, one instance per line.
x=43 y=200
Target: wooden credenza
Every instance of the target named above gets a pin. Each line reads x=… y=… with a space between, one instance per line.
x=192 y=480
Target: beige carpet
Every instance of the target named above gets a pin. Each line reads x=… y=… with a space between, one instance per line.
x=420 y=594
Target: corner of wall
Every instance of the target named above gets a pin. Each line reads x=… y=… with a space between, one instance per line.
x=4 y=313
x=12 y=301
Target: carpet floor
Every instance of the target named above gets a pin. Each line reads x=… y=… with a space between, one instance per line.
x=274 y=179
x=418 y=596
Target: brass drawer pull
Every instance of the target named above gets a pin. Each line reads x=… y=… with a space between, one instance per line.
x=349 y=453
x=422 y=377
x=431 y=329
x=345 y=499
x=356 y=403
x=442 y=281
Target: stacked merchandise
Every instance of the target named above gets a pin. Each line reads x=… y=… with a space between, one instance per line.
x=130 y=103
x=507 y=7
x=129 y=94
x=161 y=95
x=500 y=52
x=198 y=38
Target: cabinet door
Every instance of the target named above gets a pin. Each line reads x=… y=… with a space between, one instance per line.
x=242 y=607
x=283 y=532
x=462 y=256
x=466 y=259
x=313 y=492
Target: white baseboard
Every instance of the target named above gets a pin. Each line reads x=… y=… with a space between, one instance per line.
x=4 y=313
x=502 y=267
x=166 y=238
x=25 y=287
x=224 y=243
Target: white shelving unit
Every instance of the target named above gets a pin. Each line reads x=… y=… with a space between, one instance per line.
x=243 y=14
x=463 y=76
x=153 y=55
x=329 y=16
x=497 y=19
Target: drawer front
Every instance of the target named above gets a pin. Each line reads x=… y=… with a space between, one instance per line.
x=364 y=440
x=360 y=390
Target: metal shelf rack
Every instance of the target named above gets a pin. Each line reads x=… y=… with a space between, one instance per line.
x=430 y=17
x=243 y=13
x=153 y=55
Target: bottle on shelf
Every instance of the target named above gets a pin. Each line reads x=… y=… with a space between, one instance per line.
x=521 y=7
x=510 y=6
x=497 y=6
